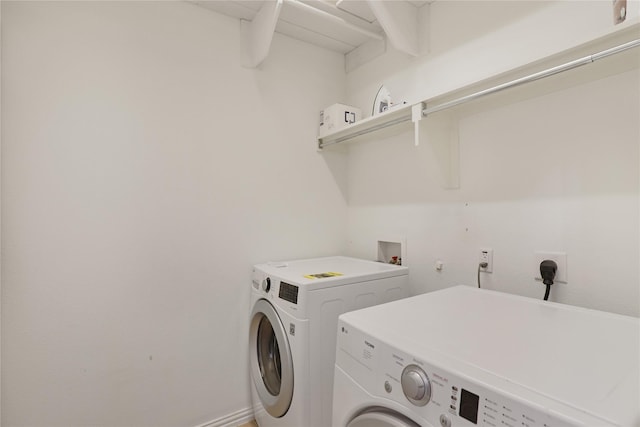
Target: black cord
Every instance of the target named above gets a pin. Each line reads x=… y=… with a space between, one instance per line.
x=481 y=265
x=548 y=270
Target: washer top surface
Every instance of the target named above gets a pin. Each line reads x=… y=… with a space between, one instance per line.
x=325 y=272
x=583 y=358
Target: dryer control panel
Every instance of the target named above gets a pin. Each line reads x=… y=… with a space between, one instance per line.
x=288 y=292
x=446 y=392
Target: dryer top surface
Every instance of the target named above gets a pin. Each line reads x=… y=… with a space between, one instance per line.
x=585 y=358
x=326 y=272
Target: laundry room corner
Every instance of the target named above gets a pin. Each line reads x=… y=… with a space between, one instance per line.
x=232 y=213
x=548 y=166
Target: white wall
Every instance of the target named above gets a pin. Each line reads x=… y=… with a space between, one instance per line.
x=0 y=216
x=468 y=41
x=143 y=172
x=554 y=167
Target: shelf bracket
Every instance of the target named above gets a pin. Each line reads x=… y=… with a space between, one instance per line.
x=257 y=34
x=416 y=116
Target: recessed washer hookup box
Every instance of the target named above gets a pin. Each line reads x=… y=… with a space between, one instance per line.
x=337 y=117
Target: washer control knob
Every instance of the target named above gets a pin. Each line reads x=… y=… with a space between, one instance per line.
x=266 y=285
x=416 y=385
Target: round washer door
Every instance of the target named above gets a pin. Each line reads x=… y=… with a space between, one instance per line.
x=270 y=359
x=381 y=418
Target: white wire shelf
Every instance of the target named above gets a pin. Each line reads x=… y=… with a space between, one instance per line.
x=403 y=113
x=394 y=116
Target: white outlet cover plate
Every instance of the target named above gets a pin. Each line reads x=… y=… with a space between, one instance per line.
x=559 y=257
x=488 y=259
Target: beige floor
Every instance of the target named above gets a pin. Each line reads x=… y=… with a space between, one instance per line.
x=249 y=424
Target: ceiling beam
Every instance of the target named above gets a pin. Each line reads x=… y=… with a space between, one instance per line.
x=399 y=20
x=257 y=34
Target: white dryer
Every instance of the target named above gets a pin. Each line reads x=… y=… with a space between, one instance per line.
x=294 y=314
x=466 y=357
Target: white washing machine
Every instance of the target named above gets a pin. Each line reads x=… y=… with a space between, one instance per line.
x=471 y=357
x=294 y=315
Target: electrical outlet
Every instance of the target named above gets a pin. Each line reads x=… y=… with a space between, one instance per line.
x=486 y=255
x=560 y=258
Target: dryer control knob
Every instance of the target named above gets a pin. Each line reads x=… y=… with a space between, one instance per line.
x=416 y=385
x=266 y=285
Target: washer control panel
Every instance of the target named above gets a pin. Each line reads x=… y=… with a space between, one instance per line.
x=438 y=396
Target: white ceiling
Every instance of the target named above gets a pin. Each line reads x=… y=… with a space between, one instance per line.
x=340 y=25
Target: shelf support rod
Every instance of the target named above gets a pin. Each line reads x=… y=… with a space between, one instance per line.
x=533 y=77
x=364 y=131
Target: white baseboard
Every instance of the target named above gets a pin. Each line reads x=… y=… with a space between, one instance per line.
x=234 y=419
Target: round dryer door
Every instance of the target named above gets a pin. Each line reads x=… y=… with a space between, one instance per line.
x=270 y=358
x=381 y=418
